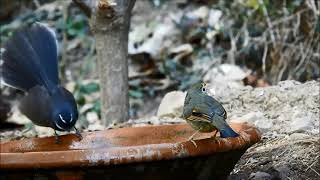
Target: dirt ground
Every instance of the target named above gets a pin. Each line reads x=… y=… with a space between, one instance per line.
x=280 y=158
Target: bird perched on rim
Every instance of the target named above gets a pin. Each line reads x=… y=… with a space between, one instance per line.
x=204 y=113
x=30 y=64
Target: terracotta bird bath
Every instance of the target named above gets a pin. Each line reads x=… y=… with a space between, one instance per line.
x=150 y=152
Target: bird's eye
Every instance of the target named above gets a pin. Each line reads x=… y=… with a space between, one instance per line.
x=203 y=89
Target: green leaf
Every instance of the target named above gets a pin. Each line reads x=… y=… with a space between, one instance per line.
x=80 y=99
x=97 y=107
x=89 y=88
x=254 y=4
x=135 y=93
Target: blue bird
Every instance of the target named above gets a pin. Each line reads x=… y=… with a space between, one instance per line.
x=204 y=113
x=30 y=64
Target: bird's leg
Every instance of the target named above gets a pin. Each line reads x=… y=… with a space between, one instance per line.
x=57 y=137
x=191 y=138
x=78 y=134
x=215 y=134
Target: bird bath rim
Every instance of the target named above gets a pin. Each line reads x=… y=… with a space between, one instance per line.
x=121 y=146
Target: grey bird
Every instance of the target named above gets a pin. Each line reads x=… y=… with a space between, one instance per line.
x=204 y=113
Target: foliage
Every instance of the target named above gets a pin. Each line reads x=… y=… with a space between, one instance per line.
x=277 y=40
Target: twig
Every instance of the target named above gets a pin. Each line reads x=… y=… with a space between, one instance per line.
x=265 y=13
x=311 y=168
x=36 y=2
x=312 y=164
x=288 y=18
x=265 y=52
x=313 y=6
x=233 y=49
x=84 y=6
x=284 y=67
x=304 y=55
x=283 y=152
x=131 y=5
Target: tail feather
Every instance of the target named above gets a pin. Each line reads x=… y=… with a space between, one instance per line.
x=224 y=133
x=13 y=80
x=223 y=127
x=44 y=39
x=30 y=58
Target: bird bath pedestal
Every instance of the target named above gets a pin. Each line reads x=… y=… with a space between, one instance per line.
x=150 y=152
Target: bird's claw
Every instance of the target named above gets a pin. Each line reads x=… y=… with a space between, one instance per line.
x=78 y=134
x=215 y=134
x=191 y=139
x=57 y=139
x=194 y=143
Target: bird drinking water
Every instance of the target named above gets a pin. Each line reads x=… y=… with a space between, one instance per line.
x=30 y=64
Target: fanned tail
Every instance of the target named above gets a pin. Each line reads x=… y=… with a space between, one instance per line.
x=30 y=58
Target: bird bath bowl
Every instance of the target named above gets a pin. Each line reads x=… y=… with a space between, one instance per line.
x=149 y=152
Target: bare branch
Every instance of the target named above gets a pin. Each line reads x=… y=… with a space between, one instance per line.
x=131 y=5
x=85 y=6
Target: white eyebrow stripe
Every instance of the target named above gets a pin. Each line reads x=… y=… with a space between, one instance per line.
x=59 y=126
x=62 y=118
x=71 y=118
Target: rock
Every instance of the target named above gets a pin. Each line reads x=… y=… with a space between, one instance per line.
x=257 y=119
x=184 y=48
x=225 y=72
x=17 y=117
x=200 y=13
x=225 y=75
x=43 y=131
x=285 y=85
x=95 y=127
x=92 y=117
x=298 y=136
x=214 y=18
x=171 y=104
x=181 y=51
x=303 y=124
x=260 y=176
x=70 y=86
x=286 y=108
x=283 y=171
x=150 y=38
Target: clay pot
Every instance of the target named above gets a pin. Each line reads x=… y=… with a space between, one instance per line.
x=150 y=152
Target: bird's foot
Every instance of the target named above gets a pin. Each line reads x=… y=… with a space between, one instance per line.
x=215 y=134
x=58 y=141
x=191 y=139
x=78 y=134
x=194 y=143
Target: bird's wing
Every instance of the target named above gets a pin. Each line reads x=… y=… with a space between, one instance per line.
x=187 y=107
x=36 y=106
x=199 y=112
x=216 y=107
x=204 y=113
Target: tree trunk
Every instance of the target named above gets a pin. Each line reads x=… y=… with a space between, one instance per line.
x=110 y=22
